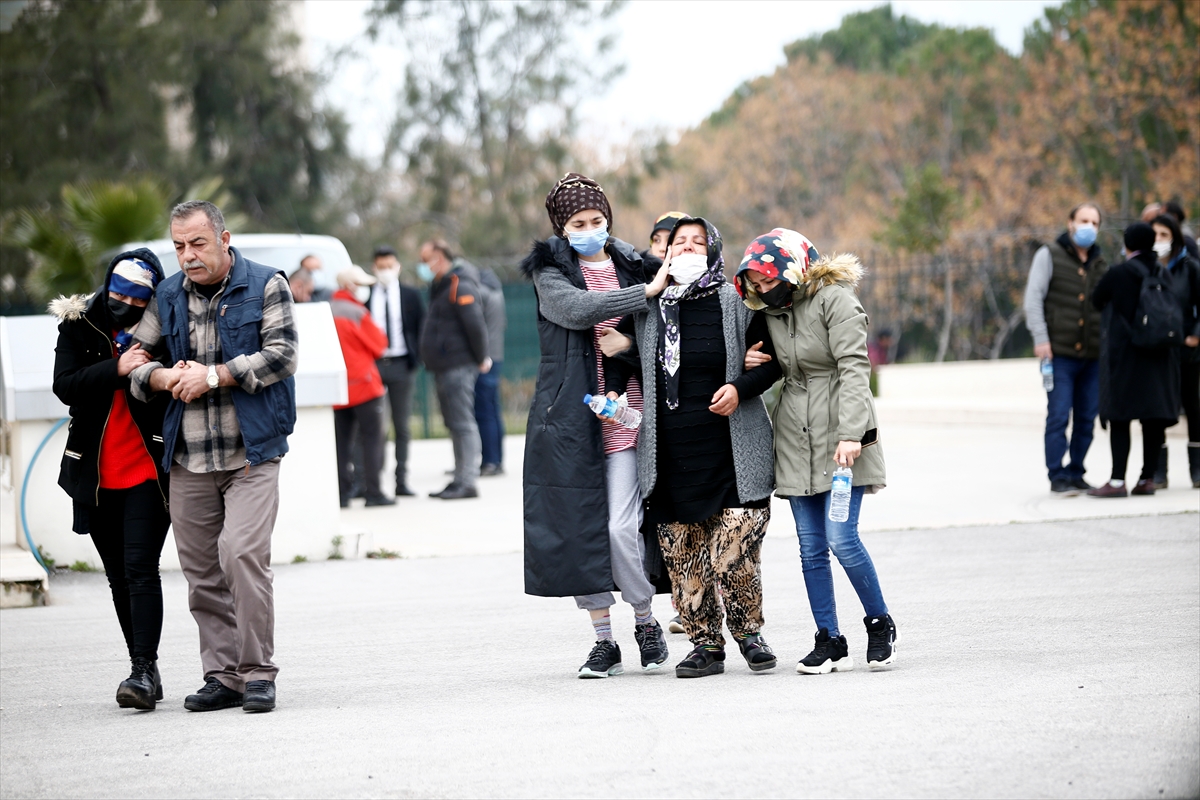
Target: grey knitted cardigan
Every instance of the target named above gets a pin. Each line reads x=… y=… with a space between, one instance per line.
x=749 y=426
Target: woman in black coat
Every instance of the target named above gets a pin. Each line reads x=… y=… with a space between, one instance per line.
x=1184 y=269
x=1135 y=382
x=112 y=465
x=581 y=499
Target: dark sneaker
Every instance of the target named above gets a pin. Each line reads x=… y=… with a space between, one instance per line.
x=603 y=661
x=490 y=470
x=705 y=659
x=758 y=654
x=882 y=639
x=260 y=696
x=652 y=643
x=404 y=491
x=1145 y=487
x=458 y=492
x=1063 y=487
x=828 y=655
x=1108 y=490
x=675 y=625
x=213 y=696
x=143 y=686
x=1081 y=485
x=381 y=500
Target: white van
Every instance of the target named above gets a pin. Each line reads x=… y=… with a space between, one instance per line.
x=280 y=250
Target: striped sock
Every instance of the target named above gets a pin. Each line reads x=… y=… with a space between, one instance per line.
x=643 y=616
x=603 y=627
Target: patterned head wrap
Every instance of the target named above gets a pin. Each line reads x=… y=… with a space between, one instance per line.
x=572 y=194
x=133 y=278
x=782 y=254
x=668 y=303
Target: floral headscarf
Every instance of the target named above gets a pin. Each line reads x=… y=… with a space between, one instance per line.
x=672 y=296
x=783 y=254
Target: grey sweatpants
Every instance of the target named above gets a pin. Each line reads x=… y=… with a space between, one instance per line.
x=627 y=548
x=456 y=396
x=223 y=523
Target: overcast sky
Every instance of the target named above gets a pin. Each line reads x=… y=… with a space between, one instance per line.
x=714 y=44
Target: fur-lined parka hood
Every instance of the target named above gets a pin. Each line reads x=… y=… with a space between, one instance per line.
x=69 y=309
x=556 y=253
x=72 y=308
x=843 y=268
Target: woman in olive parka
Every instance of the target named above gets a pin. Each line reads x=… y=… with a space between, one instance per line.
x=825 y=418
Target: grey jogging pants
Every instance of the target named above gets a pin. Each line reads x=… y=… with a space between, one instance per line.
x=626 y=547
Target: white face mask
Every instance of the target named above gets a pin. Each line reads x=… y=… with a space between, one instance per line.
x=688 y=267
x=362 y=293
x=387 y=275
x=1162 y=250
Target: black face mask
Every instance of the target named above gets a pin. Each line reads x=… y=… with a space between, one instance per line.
x=779 y=297
x=123 y=314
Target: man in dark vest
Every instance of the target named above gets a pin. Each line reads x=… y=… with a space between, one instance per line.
x=225 y=326
x=1066 y=329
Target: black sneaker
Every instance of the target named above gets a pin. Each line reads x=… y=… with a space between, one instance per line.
x=881 y=641
x=675 y=625
x=829 y=655
x=705 y=659
x=1063 y=487
x=260 y=696
x=603 y=661
x=213 y=696
x=143 y=686
x=757 y=652
x=1081 y=484
x=652 y=643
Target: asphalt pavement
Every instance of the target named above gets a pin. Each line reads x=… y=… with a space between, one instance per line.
x=1051 y=659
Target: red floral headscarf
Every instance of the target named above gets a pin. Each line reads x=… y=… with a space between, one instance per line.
x=782 y=254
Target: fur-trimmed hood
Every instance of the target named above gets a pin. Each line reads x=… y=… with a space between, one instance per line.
x=556 y=253
x=844 y=268
x=69 y=309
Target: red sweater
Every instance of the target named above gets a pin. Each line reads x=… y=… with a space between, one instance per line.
x=124 y=461
x=362 y=342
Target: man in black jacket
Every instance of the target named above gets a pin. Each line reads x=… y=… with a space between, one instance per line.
x=397 y=310
x=454 y=347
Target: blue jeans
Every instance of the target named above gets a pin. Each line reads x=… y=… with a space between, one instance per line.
x=489 y=415
x=818 y=535
x=1076 y=398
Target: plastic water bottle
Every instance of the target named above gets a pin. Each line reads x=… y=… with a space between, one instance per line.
x=611 y=409
x=1048 y=374
x=839 y=500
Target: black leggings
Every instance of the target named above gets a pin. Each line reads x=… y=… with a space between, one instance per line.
x=1154 y=435
x=129 y=528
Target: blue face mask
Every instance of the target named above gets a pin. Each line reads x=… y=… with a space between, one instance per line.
x=424 y=272
x=590 y=242
x=1084 y=236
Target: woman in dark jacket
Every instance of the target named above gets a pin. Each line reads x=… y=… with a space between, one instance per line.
x=1135 y=382
x=705 y=457
x=581 y=501
x=1184 y=269
x=112 y=464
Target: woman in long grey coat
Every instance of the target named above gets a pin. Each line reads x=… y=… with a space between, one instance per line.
x=825 y=419
x=704 y=458
x=582 y=506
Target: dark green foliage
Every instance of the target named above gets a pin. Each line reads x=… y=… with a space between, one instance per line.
x=867 y=40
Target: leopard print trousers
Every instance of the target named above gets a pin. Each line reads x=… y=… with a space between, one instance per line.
x=722 y=552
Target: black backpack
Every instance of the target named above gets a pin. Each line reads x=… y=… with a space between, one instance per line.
x=1158 y=322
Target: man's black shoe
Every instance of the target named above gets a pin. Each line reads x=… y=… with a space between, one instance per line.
x=1063 y=487
x=829 y=655
x=652 y=643
x=604 y=660
x=380 y=501
x=757 y=652
x=143 y=686
x=449 y=486
x=490 y=470
x=213 y=696
x=881 y=641
x=458 y=492
x=404 y=491
x=260 y=696
x=1081 y=484
x=705 y=659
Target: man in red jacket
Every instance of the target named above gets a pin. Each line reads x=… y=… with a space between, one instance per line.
x=362 y=417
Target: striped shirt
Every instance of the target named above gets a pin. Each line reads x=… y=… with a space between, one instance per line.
x=601 y=276
x=210 y=439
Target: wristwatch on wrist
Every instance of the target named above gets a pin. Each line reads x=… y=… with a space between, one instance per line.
x=213 y=380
